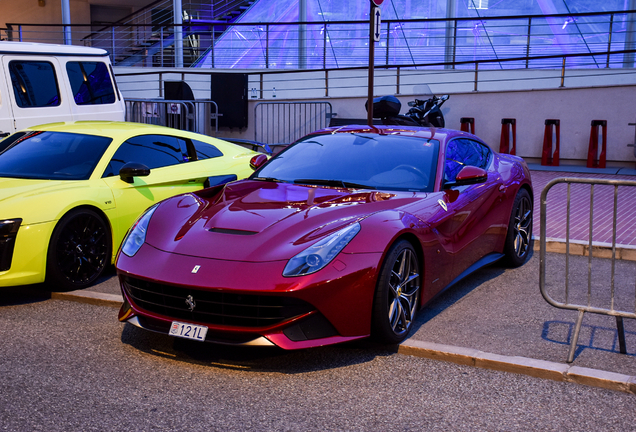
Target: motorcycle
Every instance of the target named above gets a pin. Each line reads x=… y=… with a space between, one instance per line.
x=422 y=112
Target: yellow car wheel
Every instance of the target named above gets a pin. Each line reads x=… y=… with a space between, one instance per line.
x=79 y=251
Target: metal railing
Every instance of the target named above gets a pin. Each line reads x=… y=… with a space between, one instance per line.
x=196 y=116
x=610 y=306
x=533 y=41
x=281 y=123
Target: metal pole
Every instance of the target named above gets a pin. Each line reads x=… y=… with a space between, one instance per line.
x=450 y=33
x=609 y=40
x=324 y=47
x=528 y=42
x=371 y=64
x=177 y=8
x=630 y=36
x=563 y=73
x=66 y=19
x=266 y=49
x=302 y=35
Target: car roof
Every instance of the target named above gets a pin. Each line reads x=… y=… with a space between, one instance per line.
x=108 y=128
x=440 y=134
x=30 y=48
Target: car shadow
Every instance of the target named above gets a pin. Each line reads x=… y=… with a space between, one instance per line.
x=456 y=292
x=257 y=359
x=24 y=294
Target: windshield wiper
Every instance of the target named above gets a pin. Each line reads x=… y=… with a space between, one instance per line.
x=336 y=183
x=270 y=179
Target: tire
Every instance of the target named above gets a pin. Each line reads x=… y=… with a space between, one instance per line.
x=397 y=294
x=519 y=237
x=79 y=250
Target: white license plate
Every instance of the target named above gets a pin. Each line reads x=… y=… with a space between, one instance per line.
x=188 y=331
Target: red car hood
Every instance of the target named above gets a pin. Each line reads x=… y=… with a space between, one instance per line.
x=262 y=221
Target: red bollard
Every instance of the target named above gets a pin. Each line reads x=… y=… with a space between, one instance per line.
x=593 y=158
x=508 y=126
x=547 y=157
x=467 y=124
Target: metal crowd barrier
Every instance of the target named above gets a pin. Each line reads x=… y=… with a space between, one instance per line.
x=281 y=123
x=196 y=115
x=611 y=309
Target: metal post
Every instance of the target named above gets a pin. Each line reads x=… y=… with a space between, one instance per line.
x=66 y=19
x=324 y=47
x=112 y=32
x=563 y=73
x=302 y=35
x=449 y=33
x=476 y=75
x=388 y=41
x=177 y=8
x=575 y=337
x=609 y=40
x=212 y=47
x=266 y=51
x=630 y=36
x=528 y=42
x=454 y=43
x=161 y=45
x=371 y=65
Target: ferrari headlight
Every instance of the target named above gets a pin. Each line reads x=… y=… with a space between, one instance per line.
x=137 y=234
x=320 y=254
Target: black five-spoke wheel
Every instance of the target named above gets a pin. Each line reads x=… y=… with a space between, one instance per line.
x=79 y=251
x=519 y=238
x=397 y=294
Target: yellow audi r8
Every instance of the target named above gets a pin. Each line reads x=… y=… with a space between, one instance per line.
x=70 y=191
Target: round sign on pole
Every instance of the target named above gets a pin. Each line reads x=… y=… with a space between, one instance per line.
x=377 y=2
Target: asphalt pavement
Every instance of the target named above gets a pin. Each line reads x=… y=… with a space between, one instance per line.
x=69 y=366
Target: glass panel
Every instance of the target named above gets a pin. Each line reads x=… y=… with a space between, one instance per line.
x=478 y=38
x=91 y=83
x=205 y=150
x=375 y=161
x=154 y=151
x=34 y=84
x=53 y=156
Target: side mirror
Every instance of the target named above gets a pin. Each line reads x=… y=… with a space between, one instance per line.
x=133 y=169
x=258 y=161
x=469 y=175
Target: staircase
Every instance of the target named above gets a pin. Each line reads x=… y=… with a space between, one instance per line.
x=146 y=37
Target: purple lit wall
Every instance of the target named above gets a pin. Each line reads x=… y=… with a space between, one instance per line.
x=338 y=45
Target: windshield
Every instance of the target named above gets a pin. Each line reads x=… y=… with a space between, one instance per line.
x=52 y=156
x=366 y=161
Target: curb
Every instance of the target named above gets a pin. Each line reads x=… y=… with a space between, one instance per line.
x=581 y=248
x=90 y=297
x=520 y=365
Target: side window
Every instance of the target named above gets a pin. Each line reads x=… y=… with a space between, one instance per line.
x=477 y=154
x=34 y=84
x=464 y=152
x=91 y=83
x=154 y=151
x=454 y=160
x=205 y=150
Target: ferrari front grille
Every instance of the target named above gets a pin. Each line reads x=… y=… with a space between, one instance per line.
x=212 y=307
